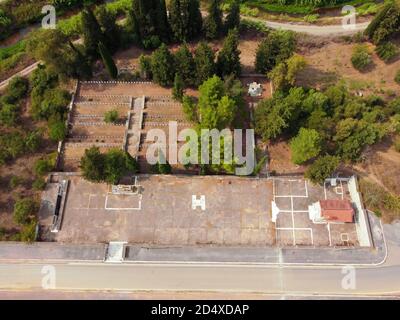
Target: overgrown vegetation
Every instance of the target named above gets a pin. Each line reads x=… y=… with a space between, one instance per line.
x=107 y=167
x=380 y=201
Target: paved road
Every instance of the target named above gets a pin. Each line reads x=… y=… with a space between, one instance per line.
x=240 y=279
x=28 y=70
x=333 y=30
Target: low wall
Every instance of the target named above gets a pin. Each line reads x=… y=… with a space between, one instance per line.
x=362 y=222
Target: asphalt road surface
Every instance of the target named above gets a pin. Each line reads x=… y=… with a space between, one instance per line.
x=208 y=278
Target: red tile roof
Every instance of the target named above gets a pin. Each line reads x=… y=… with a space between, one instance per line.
x=337 y=210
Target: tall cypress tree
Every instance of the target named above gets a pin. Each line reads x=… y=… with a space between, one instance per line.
x=111 y=31
x=204 y=61
x=177 y=90
x=108 y=61
x=161 y=23
x=195 y=18
x=176 y=20
x=185 y=65
x=83 y=69
x=150 y=17
x=162 y=66
x=228 y=61
x=213 y=25
x=92 y=34
x=233 y=18
x=185 y=19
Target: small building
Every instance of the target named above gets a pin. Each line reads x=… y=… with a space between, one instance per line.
x=255 y=89
x=340 y=211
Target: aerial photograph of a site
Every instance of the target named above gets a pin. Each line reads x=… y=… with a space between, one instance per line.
x=199 y=150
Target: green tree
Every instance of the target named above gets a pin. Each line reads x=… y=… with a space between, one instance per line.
x=185 y=65
x=92 y=34
x=118 y=163
x=189 y=108
x=150 y=22
x=177 y=90
x=92 y=165
x=233 y=18
x=278 y=77
x=145 y=66
x=204 y=61
x=25 y=211
x=295 y=64
x=108 y=61
x=162 y=66
x=305 y=146
x=272 y=116
x=213 y=24
x=109 y=27
x=276 y=48
x=195 y=19
x=52 y=47
x=217 y=110
x=386 y=23
x=177 y=19
x=111 y=116
x=228 y=61
x=322 y=169
x=53 y=104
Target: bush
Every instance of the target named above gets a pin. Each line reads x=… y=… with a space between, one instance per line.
x=15 y=181
x=28 y=232
x=322 y=169
x=397 y=144
x=25 y=211
x=9 y=115
x=311 y=18
x=42 y=167
x=17 y=88
x=306 y=145
x=361 y=58
x=397 y=77
x=386 y=51
x=57 y=130
x=33 y=141
x=111 y=116
x=39 y=184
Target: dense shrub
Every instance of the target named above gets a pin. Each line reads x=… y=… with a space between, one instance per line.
x=386 y=51
x=39 y=184
x=274 y=49
x=28 y=232
x=111 y=116
x=57 y=130
x=361 y=58
x=25 y=210
x=322 y=169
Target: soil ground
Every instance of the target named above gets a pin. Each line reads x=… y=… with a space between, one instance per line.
x=331 y=62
